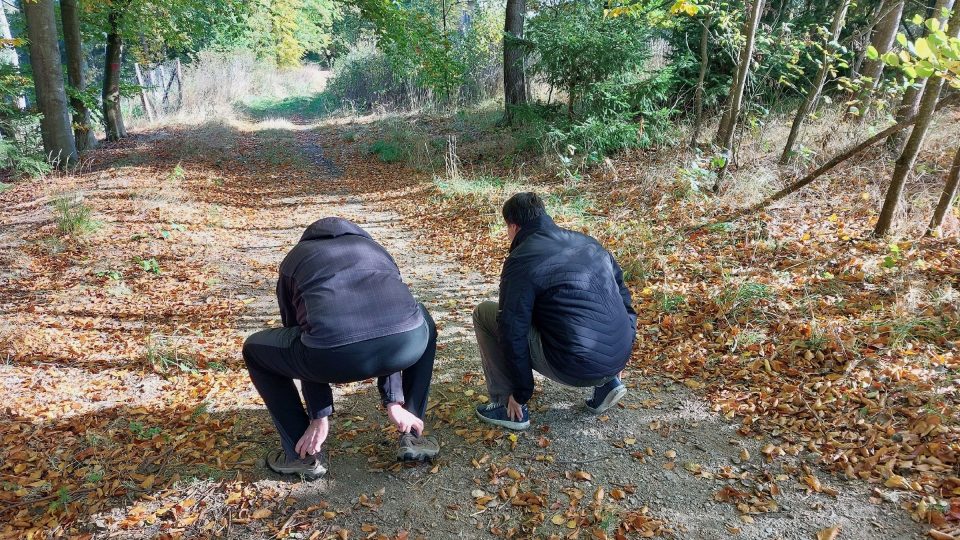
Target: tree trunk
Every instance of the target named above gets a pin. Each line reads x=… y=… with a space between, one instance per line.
x=514 y=78
x=55 y=127
x=724 y=138
x=947 y=197
x=112 y=117
x=883 y=38
x=928 y=103
x=911 y=98
x=814 y=93
x=701 y=79
x=9 y=54
x=77 y=73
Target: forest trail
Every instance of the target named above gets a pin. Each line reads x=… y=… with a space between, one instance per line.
x=148 y=426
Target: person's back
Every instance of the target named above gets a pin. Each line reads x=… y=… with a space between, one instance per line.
x=586 y=329
x=341 y=287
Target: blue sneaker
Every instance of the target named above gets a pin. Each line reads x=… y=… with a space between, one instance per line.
x=606 y=396
x=496 y=414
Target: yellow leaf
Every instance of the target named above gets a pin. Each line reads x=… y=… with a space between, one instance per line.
x=830 y=533
x=558 y=519
x=148 y=481
x=898 y=482
x=261 y=513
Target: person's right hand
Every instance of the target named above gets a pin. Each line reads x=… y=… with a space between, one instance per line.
x=405 y=420
x=313 y=438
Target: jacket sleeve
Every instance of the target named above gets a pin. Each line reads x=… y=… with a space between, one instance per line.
x=624 y=291
x=288 y=310
x=514 y=318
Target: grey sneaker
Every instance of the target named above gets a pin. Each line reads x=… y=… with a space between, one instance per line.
x=415 y=448
x=311 y=467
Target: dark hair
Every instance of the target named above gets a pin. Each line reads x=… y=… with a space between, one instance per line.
x=523 y=208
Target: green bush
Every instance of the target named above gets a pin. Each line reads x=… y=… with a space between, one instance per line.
x=365 y=77
x=387 y=151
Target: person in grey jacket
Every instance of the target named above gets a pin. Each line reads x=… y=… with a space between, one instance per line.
x=347 y=316
x=564 y=311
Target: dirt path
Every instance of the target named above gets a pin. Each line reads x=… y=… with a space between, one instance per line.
x=624 y=453
x=661 y=464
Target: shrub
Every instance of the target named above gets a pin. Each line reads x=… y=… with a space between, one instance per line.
x=73 y=217
x=366 y=78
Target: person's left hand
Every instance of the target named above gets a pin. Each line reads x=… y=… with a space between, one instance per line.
x=514 y=409
x=313 y=438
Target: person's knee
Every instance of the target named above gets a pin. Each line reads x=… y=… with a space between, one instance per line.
x=484 y=313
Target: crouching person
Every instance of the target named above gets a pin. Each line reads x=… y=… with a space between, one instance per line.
x=564 y=311
x=347 y=316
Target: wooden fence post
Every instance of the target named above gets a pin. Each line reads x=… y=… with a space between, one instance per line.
x=143 y=92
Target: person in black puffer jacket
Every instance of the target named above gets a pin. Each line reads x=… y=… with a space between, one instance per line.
x=564 y=311
x=347 y=316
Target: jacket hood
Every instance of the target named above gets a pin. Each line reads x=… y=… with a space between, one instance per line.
x=332 y=227
x=539 y=224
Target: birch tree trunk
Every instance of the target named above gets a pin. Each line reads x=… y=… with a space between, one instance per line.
x=883 y=38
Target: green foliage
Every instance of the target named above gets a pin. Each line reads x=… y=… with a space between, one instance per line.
x=937 y=54
x=387 y=151
x=142 y=432
x=577 y=47
x=150 y=265
x=73 y=217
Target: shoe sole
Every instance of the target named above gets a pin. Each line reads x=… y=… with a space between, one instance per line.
x=410 y=455
x=315 y=475
x=309 y=475
x=509 y=424
x=611 y=400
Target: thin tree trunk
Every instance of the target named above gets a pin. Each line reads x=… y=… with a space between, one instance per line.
x=947 y=197
x=883 y=38
x=928 y=103
x=812 y=176
x=9 y=55
x=77 y=73
x=701 y=79
x=55 y=127
x=814 y=93
x=911 y=98
x=724 y=138
x=112 y=117
x=514 y=78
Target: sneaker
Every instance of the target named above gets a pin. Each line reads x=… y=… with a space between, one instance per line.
x=496 y=414
x=311 y=467
x=417 y=448
x=606 y=396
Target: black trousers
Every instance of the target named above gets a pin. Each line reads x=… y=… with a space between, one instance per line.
x=402 y=363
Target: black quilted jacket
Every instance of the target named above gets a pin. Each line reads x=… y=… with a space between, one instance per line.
x=571 y=289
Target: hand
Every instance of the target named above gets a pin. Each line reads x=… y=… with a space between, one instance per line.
x=313 y=438
x=514 y=409
x=405 y=420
